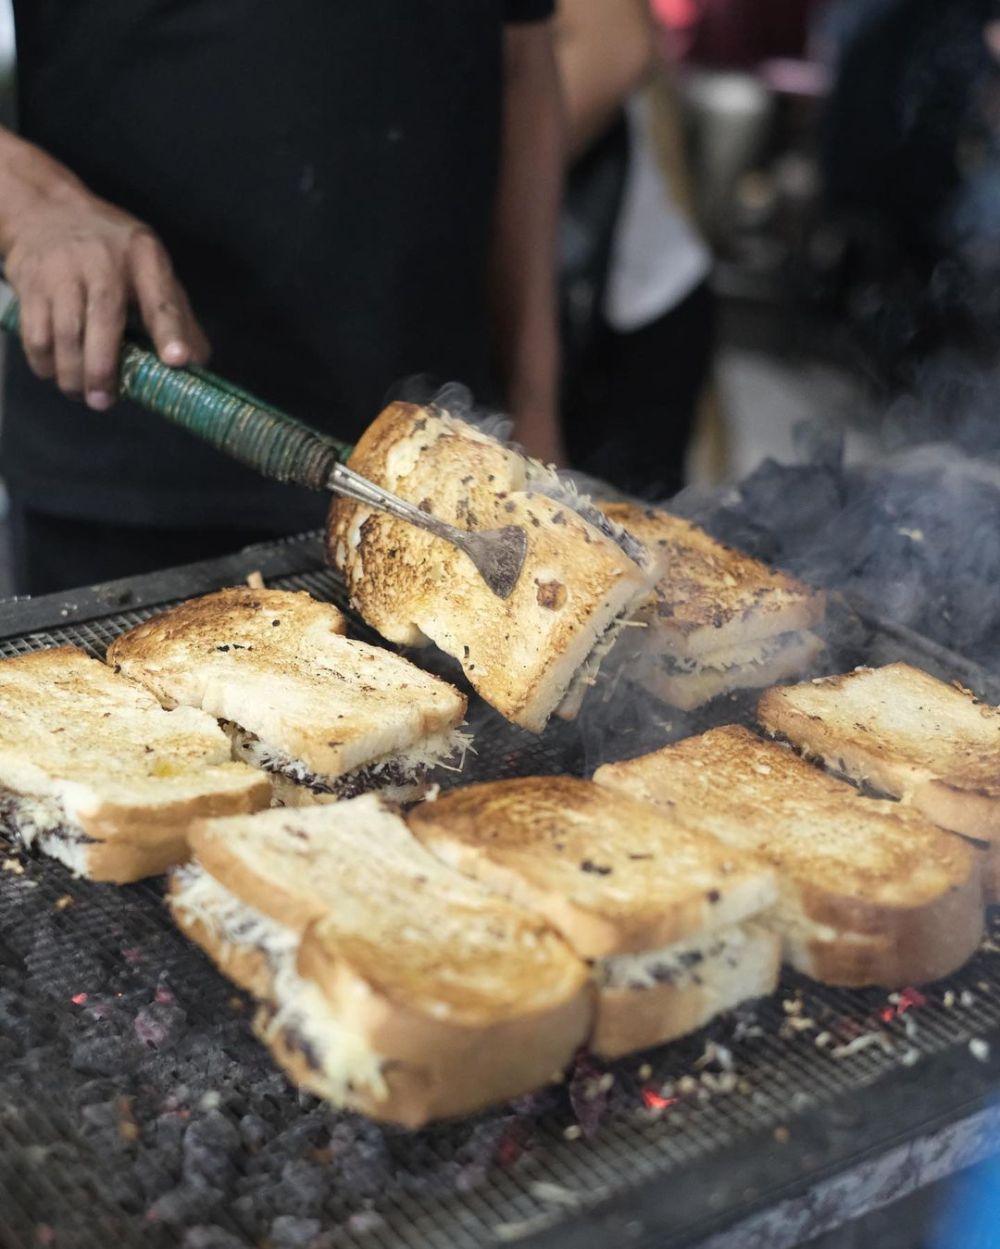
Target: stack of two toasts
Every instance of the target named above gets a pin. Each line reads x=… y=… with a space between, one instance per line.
x=904 y=733
x=870 y=891
x=717 y=620
x=428 y=965
x=219 y=706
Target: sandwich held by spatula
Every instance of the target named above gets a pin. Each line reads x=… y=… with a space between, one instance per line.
x=95 y=773
x=323 y=714
x=531 y=654
x=390 y=984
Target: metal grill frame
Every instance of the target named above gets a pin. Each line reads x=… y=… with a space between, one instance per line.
x=652 y=1183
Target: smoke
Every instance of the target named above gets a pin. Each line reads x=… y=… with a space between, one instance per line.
x=457 y=400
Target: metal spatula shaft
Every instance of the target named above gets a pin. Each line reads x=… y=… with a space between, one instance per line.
x=282 y=448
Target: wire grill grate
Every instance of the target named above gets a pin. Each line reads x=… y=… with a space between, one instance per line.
x=60 y=1177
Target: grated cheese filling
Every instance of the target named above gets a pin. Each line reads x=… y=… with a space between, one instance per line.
x=302 y=1012
x=405 y=767
x=737 y=659
x=677 y=964
x=41 y=820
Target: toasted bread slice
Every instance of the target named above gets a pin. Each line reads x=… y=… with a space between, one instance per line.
x=871 y=892
x=710 y=597
x=410 y=992
x=720 y=672
x=658 y=908
x=297 y=697
x=95 y=773
x=614 y=876
x=577 y=586
x=904 y=732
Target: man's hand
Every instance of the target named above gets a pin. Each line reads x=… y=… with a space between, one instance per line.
x=77 y=265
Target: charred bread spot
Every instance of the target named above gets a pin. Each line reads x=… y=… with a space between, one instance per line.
x=595 y=869
x=550 y=594
x=426 y=505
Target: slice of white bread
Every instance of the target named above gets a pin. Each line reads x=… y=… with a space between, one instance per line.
x=298 y=698
x=658 y=908
x=904 y=732
x=710 y=597
x=522 y=654
x=95 y=773
x=746 y=667
x=410 y=993
x=871 y=892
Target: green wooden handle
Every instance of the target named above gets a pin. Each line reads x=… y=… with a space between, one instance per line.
x=222 y=414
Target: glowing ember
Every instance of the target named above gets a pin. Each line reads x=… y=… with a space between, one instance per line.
x=654 y=1101
x=906 y=999
x=78 y=999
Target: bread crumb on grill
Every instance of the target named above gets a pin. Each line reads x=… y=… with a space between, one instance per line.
x=255 y=580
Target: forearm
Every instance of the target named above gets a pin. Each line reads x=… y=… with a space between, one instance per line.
x=523 y=270
x=605 y=50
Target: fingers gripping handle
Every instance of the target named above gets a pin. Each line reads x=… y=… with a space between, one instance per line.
x=265 y=439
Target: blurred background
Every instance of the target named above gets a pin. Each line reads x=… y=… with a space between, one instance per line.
x=837 y=159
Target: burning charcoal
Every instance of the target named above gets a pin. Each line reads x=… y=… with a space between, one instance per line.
x=101 y=1054
x=60 y=966
x=209 y=1144
x=188 y=1202
x=160 y=1025
x=255 y=1132
x=244 y=1210
x=102 y=1123
x=360 y=1161
x=290 y=1232
x=203 y=1236
x=302 y=1188
x=154 y=1173
x=588 y=1096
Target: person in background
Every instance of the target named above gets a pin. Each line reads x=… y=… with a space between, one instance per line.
x=638 y=315
x=328 y=197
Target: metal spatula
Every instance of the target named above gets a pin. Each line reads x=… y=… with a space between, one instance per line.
x=283 y=448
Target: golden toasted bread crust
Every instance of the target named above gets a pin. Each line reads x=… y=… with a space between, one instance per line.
x=612 y=875
x=520 y=653
x=711 y=596
x=276 y=663
x=317 y=863
x=132 y=843
x=128 y=774
x=904 y=732
x=437 y=1067
x=851 y=864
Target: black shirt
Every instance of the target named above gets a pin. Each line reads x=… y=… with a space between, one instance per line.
x=322 y=173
